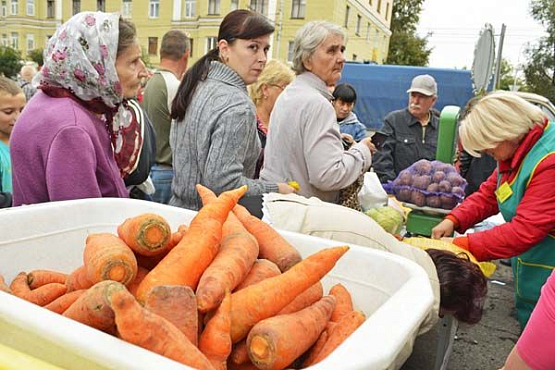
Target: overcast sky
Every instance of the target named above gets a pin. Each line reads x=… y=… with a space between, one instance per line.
x=456 y=25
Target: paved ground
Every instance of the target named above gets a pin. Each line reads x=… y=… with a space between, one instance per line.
x=484 y=345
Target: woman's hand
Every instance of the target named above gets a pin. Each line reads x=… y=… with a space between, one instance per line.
x=368 y=142
x=444 y=228
x=283 y=188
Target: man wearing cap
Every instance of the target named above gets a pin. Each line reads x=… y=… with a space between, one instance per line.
x=411 y=132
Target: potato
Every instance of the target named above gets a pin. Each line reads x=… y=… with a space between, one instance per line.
x=421 y=182
x=422 y=167
x=438 y=176
x=418 y=198
x=445 y=186
x=457 y=190
x=405 y=178
x=433 y=188
x=403 y=194
x=455 y=179
x=448 y=201
x=433 y=201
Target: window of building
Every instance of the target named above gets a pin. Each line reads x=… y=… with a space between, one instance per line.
x=154 y=8
x=30 y=42
x=211 y=43
x=347 y=11
x=101 y=5
x=298 y=9
x=15 y=7
x=76 y=6
x=359 y=21
x=234 y=5
x=190 y=8
x=4 y=9
x=260 y=6
x=50 y=9
x=15 y=40
x=213 y=7
x=379 y=6
x=153 y=45
x=5 y=41
x=370 y=2
x=30 y=7
x=368 y=31
x=127 y=9
x=290 y=51
x=386 y=11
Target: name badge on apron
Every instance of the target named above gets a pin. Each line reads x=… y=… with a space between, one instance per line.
x=503 y=192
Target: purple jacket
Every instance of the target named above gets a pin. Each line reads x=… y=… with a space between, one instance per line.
x=62 y=151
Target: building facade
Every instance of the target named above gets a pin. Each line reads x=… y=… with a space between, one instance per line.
x=27 y=24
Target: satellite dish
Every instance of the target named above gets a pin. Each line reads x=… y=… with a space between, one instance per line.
x=484 y=60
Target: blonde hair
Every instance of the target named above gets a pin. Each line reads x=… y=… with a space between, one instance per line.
x=497 y=117
x=8 y=86
x=275 y=73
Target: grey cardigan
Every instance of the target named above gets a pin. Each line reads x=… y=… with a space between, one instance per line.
x=216 y=144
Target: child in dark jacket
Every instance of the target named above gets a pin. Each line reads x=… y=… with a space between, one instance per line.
x=344 y=101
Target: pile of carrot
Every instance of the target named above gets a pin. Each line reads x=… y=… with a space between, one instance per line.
x=225 y=292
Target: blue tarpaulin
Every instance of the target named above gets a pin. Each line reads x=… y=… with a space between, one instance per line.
x=383 y=88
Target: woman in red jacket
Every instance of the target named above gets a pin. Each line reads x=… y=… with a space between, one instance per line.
x=522 y=141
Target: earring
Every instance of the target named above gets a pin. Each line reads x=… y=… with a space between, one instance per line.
x=265 y=96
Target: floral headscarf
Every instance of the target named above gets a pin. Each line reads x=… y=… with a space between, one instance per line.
x=81 y=59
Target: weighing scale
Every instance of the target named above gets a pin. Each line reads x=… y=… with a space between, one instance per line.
x=419 y=222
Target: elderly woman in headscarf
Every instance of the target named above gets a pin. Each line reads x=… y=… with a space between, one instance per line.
x=304 y=143
x=80 y=136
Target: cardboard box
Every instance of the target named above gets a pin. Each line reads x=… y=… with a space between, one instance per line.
x=393 y=292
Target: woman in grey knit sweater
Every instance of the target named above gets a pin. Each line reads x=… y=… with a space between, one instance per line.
x=214 y=139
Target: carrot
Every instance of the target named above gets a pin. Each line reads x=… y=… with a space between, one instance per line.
x=141 y=327
x=238 y=251
x=305 y=299
x=260 y=270
x=107 y=257
x=344 y=302
x=38 y=278
x=272 y=245
x=78 y=280
x=266 y=298
x=134 y=285
x=315 y=350
x=344 y=328
x=178 y=305
x=149 y=262
x=60 y=304
x=92 y=308
x=244 y=366
x=182 y=229
x=185 y=263
x=147 y=234
x=270 y=342
x=239 y=354
x=40 y=296
x=215 y=341
x=3 y=286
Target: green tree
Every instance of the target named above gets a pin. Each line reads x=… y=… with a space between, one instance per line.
x=36 y=56
x=405 y=46
x=508 y=78
x=10 y=61
x=539 y=71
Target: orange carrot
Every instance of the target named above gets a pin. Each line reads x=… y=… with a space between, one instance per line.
x=239 y=354
x=38 y=278
x=270 y=342
x=305 y=299
x=78 y=280
x=272 y=245
x=215 y=341
x=107 y=257
x=185 y=263
x=344 y=328
x=149 y=262
x=244 y=366
x=59 y=305
x=238 y=251
x=331 y=325
x=266 y=298
x=344 y=302
x=182 y=229
x=92 y=308
x=147 y=234
x=315 y=350
x=178 y=305
x=3 y=286
x=40 y=296
x=260 y=270
x=139 y=326
x=134 y=285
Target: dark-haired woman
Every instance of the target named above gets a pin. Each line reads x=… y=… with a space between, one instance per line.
x=214 y=139
x=78 y=138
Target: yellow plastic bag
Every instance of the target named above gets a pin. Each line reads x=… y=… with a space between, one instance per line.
x=487 y=268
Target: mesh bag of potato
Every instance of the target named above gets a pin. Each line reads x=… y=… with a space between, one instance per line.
x=430 y=183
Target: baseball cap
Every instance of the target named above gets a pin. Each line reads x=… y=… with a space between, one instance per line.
x=424 y=84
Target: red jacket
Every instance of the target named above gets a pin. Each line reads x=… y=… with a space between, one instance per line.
x=535 y=215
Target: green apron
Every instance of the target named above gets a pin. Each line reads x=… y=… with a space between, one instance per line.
x=532 y=268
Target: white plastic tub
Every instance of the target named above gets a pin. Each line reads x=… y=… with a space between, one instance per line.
x=393 y=292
